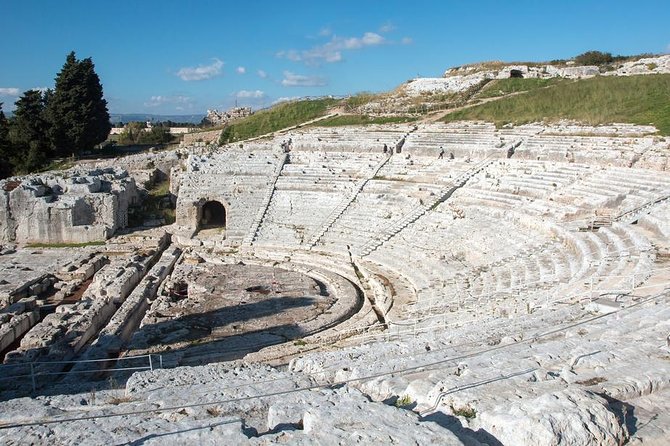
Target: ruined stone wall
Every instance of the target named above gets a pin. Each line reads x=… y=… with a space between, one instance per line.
x=73 y=207
x=210 y=137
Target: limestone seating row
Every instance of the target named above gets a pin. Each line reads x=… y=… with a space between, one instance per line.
x=263 y=207
x=335 y=161
x=423 y=170
x=535 y=179
x=418 y=141
x=295 y=192
x=658 y=220
x=234 y=162
x=434 y=272
x=126 y=319
x=522 y=272
x=17 y=319
x=294 y=215
x=525 y=276
x=606 y=268
x=566 y=357
x=434 y=199
x=474 y=195
x=321 y=183
x=335 y=262
x=342 y=206
x=656 y=158
x=425 y=283
x=64 y=333
x=367 y=213
x=366 y=133
x=566 y=129
x=32 y=285
x=633 y=214
x=528 y=269
x=393 y=290
x=346 y=141
x=586 y=191
x=616 y=151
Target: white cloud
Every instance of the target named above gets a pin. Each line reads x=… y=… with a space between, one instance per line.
x=332 y=50
x=241 y=70
x=9 y=91
x=178 y=101
x=201 y=72
x=407 y=41
x=387 y=27
x=325 y=31
x=252 y=94
x=299 y=80
x=262 y=74
x=40 y=89
x=368 y=39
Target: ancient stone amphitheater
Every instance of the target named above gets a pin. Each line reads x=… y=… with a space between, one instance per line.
x=467 y=285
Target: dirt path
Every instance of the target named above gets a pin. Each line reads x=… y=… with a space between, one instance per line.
x=437 y=116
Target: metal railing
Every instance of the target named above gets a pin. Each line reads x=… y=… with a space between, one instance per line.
x=36 y=369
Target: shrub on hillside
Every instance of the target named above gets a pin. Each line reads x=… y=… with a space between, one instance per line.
x=594 y=58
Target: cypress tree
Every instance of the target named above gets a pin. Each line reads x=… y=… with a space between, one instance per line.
x=76 y=109
x=28 y=132
x=5 y=148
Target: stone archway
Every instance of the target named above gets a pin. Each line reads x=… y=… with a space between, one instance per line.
x=213 y=215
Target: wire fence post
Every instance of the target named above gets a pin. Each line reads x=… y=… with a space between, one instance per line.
x=160 y=361
x=32 y=376
x=151 y=365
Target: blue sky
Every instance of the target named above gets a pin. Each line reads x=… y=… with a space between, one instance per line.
x=172 y=57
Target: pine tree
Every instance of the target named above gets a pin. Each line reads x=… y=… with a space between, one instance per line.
x=28 y=132
x=76 y=109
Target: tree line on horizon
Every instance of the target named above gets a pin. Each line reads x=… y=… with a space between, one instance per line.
x=66 y=121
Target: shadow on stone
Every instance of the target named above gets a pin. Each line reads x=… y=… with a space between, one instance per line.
x=466 y=435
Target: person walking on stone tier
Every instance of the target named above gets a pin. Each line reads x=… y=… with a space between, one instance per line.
x=441 y=155
x=386 y=149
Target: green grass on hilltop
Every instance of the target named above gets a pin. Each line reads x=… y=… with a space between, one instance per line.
x=276 y=118
x=503 y=87
x=343 y=120
x=598 y=100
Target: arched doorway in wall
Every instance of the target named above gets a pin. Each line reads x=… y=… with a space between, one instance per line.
x=213 y=215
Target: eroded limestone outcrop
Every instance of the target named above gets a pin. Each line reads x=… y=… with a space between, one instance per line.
x=76 y=206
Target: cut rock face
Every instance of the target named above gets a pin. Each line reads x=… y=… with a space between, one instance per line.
x=83 y=207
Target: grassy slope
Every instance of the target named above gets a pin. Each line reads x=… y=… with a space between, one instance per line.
x=599 y=100
x=276 y=118
x=502 y=87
